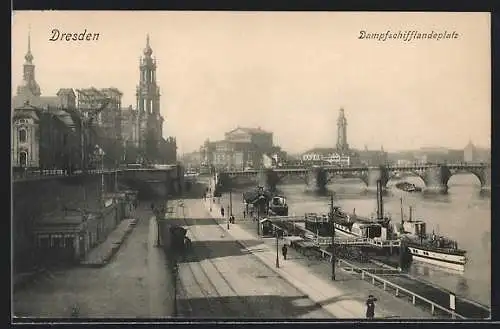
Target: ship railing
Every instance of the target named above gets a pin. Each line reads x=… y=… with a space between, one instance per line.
x=385 y=243
x=397 y=289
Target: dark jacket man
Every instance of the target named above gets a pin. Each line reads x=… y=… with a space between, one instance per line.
x=284 y=251
x=370 y=307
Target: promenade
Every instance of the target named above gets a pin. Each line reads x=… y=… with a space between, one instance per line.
x=343 y=299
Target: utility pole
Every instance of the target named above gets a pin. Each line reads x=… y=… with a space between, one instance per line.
x=116 y=177
x=332 y=222
x=230 y=202
x=258 y=221
x=277 y=248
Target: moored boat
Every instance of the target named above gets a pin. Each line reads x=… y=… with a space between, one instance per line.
x=408 y=187
x=277 y=206
x=431 y=248
x=353 y=225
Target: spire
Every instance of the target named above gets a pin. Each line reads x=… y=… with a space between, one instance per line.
x=29 y=57
x=148 y=51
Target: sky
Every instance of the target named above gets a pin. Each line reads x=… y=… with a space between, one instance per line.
x=286 y=72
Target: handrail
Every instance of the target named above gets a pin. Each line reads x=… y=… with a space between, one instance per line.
x=395 y=286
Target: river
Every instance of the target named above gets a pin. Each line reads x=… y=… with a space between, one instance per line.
x=464 y=214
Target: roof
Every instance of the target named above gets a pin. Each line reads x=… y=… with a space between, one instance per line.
x=92 y=91
x=26 y=110
x=65 y=91
x=38 y=101
x=66 y=118
x=111 y=90
x=322 y=150
x=249 y=130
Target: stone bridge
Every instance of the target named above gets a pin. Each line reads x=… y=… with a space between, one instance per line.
x=434 y=176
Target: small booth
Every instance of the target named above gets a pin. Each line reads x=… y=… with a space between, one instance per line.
x=65 y=237
x=266 y=227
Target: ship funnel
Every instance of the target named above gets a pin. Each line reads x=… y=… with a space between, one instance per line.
x=380 y=202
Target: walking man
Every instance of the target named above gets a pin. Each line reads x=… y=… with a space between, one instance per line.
x=222 y=211
x=370 y=307
x=284 y=251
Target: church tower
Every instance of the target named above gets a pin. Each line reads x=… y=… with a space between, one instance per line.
x=342 y=146
x=150 y=121
x=29 y=86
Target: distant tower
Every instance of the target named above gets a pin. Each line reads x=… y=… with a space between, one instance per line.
x=29 y=86
x=342 y=146
x=150 y=121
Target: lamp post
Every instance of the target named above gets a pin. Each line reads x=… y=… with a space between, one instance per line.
x=258 y=220
x=230 y=202
x=277 y=248
x=332 y=223
x=100 y=153
x=230 y=208
x=175 y=272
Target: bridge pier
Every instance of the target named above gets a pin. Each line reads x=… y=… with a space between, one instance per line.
x=436 y=179
x=486 y=184
x=269 y=179
x=484 y=176
x=372 y=175
x=316 y=179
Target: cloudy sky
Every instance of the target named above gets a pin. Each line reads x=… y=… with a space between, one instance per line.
x=289 y=73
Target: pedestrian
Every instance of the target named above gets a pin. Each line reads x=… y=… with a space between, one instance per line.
x=222 y=211
x=152 y=207
x=284 y=251
x=370 y=307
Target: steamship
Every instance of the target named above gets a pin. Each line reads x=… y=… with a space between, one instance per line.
x=266 y=202
x=353 y=225
x=430 y=248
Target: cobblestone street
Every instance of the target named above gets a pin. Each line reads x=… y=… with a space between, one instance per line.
x=133 y=284
x=221 y=279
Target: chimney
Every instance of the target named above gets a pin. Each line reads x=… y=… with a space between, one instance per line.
x=380 y=203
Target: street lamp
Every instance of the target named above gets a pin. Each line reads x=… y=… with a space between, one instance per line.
x=258 y=220
x=100 y=153
x=175 y=273
x=277 y=249
x=332 y=225
x=230 y=208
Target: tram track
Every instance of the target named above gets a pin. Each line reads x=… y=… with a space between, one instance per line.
x=213 y=293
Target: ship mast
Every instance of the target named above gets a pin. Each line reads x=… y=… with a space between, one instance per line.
x=402 y=215
x=380 y=201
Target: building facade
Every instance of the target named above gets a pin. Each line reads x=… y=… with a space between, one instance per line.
x=326 y=156
x=51 y=131
x=242 y=148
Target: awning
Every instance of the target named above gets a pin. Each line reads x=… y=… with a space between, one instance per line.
x=293 y=238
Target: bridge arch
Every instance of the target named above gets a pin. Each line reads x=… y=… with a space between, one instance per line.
x=412 y=174
x=478 y=177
